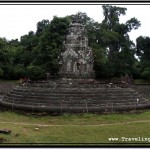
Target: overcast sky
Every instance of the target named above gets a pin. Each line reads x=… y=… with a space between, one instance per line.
x=18 y=20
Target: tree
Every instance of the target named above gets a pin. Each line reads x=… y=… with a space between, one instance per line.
x=1 y=72
x=113 y=51
x=143 y=50
x=4 y=52
x=114 y=37
x=41 y=26
x=36 y=72
x=82 y=18
x=146 y=73
x=50 y=44
x=4 y=56
x=27 y=44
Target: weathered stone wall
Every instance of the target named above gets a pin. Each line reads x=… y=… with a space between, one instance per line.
x=73 y=96
x=6 y=87
x=143 y=89
x=76 y=59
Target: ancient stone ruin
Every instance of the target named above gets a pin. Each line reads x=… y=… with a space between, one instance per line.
x=76 y=59
x=76 y=91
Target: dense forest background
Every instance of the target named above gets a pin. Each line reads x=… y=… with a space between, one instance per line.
x=114 y=53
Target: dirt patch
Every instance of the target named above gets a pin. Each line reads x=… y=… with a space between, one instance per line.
x=63 y=125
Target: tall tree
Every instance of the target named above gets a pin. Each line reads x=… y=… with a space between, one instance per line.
x=28 y=42
x=4 y=52
x=114 y=36
x=41 y=26
x=50 y=43
x=143 y=51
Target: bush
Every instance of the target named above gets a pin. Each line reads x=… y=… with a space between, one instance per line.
x=19 y=71
x=14 y=72
x=146 y=73
x=136 y=72
x=35 y=72
x=1 y=72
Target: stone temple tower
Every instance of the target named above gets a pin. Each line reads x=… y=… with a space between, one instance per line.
x=76 y=58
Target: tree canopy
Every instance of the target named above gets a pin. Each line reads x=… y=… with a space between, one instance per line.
x=114 y=53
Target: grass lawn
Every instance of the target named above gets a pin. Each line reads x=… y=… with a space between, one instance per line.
x=141 y=81
x=76 y=130
x=9 y=81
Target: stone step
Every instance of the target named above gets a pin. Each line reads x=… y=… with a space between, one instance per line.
x=74 y=91
x=93 y=98
x=108 y=102
x=69 y=85
x=66 y=82
x=76 y=95
x=74 y=100
x=19 y=94
x=78 y=104
x=75 y=109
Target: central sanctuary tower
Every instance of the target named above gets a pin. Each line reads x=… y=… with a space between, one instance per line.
x=76 y=58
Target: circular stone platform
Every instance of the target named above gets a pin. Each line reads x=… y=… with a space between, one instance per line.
x=73 y=96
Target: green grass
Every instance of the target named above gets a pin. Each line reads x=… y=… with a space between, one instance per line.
x=75 y=129
x=9 y=81
x=141 y=81
x=74 y=119
x=75 y=134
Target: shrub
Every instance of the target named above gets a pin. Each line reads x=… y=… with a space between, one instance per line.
x=19 y=71
x=146 y=73
x=1 y=72
x=35 y=72
x=14 y=72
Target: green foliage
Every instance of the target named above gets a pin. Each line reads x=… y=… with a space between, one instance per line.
x=50 y=43
x=27 y=44
x=8 y=71
x=41 y=26
x=100 y=60
x=143 y=50
x=35 y=72
x=4 y=52
x=136 y=70
x=114 y=37
x=19 y=71
x=141 y=81
x=146 y=73
x=114 y=52
x=14 y=72
x=1 y=72
x=112 y=13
